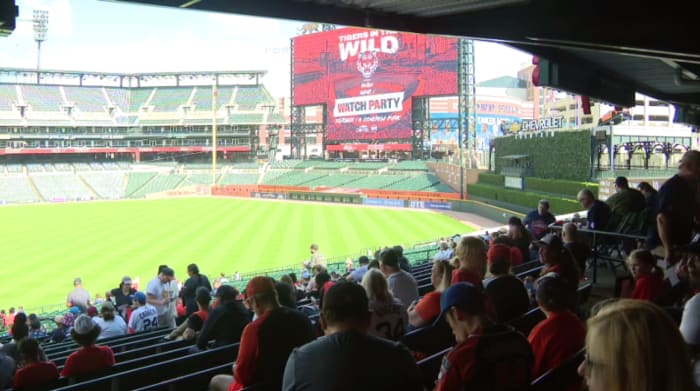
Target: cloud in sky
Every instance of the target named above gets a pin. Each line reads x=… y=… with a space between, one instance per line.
x=119 y=37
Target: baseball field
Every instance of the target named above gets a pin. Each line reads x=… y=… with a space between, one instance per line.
x=44 y=247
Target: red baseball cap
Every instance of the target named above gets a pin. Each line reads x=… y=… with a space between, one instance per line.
x=498 y=251
x=259 y=285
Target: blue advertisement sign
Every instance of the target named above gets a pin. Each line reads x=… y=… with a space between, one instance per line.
x=383 y=202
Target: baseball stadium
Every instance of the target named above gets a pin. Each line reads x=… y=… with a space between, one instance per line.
x=198 y=230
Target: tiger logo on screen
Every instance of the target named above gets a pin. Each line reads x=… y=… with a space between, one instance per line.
x=367 y=63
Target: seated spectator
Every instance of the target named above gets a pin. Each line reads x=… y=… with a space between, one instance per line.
x=505 y=292
x=7 y=368
x=651 y=196
x=516 y=256
x=445 y=253
x=557 y=259
x=111 y=324
x=401 y=283
x=389 y=317
x=36 y=330
x=471 y=253
x=226 y=321
x=316 y=270
x=625 y=201
x=520 y=237
x=144 y=317
x=91 y=311
x=634 y=345
x=347 y=358
x=34 y=370
x=579 y=250
x=648 y=278
x=188 y=329
x=538 y=221
x=690 y=321
x=404 y=264
x=286 y=294
x=267 y=341
x=427 y=309
x=358 y=273
x=487 y=356
x=560 y=335
x=90 y=357
x=598 y=215
x=61 y=331
x=19 y=331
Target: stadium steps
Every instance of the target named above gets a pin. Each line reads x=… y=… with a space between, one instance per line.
x=37 y=194
x=87 y=186
x=138 y=180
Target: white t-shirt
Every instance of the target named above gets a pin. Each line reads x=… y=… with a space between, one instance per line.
x=174 y=291
x=156 y=289
x=389 y=320
x=144 y=318
x=111 y=328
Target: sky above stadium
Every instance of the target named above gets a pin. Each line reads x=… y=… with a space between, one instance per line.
x=104 y=36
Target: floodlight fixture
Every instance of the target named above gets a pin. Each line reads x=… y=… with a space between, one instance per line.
x=41 y=28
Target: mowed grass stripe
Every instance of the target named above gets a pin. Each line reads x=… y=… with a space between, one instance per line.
x=46 y=246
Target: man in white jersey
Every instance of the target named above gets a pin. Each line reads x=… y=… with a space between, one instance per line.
x=158 y=294
x=144 y=317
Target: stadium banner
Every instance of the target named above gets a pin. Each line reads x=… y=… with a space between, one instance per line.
x=368 y=147
x=384 y=202
x=412 y=195
x=233 y=190
x=367 y=78
x=326 y=197
x=268 y=196
x=430 y=205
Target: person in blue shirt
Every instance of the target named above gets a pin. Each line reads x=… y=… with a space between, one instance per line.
x=539 y=220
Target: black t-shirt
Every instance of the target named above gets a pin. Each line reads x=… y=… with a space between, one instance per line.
x=122 y=301
x=598 y=215
x=351 y=361
x=189 y=290
x=508 y=297
x=676 y=199
x=224 y=324
x=283 y=330
x=581 y=252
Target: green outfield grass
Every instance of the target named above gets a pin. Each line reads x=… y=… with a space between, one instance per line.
x=44 y=247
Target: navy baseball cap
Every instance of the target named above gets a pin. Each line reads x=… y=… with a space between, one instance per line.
x=463 y=295
x=140 y=297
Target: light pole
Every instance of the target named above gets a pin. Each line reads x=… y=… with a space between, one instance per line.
x=41 y=27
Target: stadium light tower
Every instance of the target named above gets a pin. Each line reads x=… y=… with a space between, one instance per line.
x=41 y=27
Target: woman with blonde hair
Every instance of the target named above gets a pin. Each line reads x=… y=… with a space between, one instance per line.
x=633 y=345
x=471 y=253
x=389 y=317
x=427 y=309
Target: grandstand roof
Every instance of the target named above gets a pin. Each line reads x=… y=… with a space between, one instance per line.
x=605 y=52
x=109 y=79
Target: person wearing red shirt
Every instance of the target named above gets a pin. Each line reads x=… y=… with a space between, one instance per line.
x=560 y=335
x=188 y=329
x=649 y=282
x=471 y=253
x=487 y=356
x=425 y=311
x=35 y=371
x=266 y=342
x=89 y=358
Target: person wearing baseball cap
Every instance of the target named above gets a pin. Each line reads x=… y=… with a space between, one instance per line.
x=144 y=317
x=267 y=341
x=506 y=293
x=90 y=357
x=487 y=355
x=158 y=295
x=123 y=296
